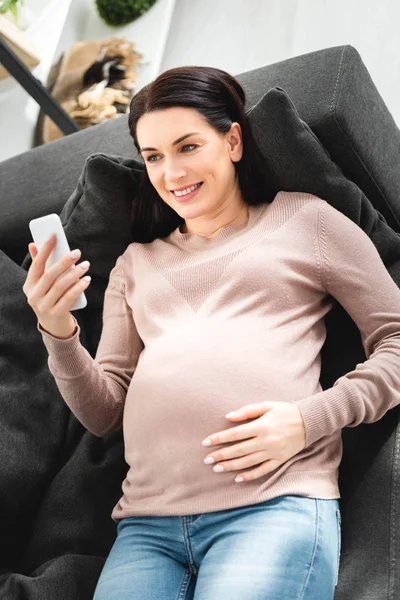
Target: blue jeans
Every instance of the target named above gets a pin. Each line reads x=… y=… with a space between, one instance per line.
x=287 y=548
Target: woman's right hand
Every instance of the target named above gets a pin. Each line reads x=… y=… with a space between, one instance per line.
x=51 y=298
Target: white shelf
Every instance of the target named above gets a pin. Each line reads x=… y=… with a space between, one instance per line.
x=60 y=24
x=149 y=33
x=19 y=112
x=45 y=33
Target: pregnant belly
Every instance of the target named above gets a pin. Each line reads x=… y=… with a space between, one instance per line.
x=173 y=403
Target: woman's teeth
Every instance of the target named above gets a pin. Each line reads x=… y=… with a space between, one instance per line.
x=188 y=190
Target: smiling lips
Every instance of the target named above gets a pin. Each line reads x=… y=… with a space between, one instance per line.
x=186 y=193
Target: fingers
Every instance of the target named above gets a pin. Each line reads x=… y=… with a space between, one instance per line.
x=265 y=468
x=235 y=451
x=32 y=249
x=55 y=290
x=67 y=299
x=52 y=293
x=242 y=463
x=230 y=435
x=44 y=281
x=36 y=269
x=66 y=289
x=49 y=278
x=260 y=460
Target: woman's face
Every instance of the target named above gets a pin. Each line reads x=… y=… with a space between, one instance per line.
x=190 y=163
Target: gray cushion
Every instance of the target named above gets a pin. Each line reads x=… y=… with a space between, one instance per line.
x=298 y=161
x=40 y=181
x=96 y=219
x=335 y=95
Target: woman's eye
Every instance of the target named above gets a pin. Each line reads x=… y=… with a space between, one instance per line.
x=153 y=156
x=189 y=147
x=186 y=148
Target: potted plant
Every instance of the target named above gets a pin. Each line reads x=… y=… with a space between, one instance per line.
x=17 y=12
x=10 y=6
x=121 y=12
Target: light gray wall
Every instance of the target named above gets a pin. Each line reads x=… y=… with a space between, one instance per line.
x=239 y=35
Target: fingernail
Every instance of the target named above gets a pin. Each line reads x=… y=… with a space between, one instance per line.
x=218 y=469
x=75 y=253
x=209 y=460
x=239 y=479
x=84 y=264
x=206 y=442
x=231 y=414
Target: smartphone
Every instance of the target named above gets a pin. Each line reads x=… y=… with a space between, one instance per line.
x=41 y=230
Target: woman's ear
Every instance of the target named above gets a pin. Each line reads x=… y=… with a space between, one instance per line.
x=234 y=140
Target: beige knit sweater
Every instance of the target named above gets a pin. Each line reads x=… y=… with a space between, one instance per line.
x=196 y=327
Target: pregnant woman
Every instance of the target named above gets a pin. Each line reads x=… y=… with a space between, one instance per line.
x=209 y=359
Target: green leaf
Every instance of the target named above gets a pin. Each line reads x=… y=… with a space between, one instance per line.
x=10 y=6
x=121 y=12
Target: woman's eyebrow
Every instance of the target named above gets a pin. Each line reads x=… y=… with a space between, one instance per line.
x=183 y=137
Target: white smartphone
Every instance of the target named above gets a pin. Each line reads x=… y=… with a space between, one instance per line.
x=41 y=230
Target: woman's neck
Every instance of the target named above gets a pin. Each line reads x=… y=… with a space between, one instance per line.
x=242 y=216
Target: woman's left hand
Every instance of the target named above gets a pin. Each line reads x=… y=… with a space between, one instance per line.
x=270 y=440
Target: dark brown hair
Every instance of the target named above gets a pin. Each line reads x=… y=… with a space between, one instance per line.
x=220 y=98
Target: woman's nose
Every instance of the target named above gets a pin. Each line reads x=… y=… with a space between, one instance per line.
x=173 y=171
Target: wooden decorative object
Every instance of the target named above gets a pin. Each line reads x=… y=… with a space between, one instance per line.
x=20 y=43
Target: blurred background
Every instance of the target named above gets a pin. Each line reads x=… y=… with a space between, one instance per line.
x=235 y=35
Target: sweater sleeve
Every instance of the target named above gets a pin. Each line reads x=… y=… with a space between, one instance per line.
x=95 y=389
x=352 y=271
